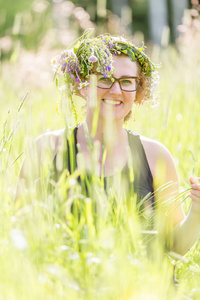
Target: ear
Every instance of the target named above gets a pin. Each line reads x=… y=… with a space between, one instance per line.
x=139 y=96
x=142 y=90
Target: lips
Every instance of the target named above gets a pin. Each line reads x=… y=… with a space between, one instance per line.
x=112 y=102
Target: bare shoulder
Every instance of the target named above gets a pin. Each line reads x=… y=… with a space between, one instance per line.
x=51 y=135
x=41 y=153
x=155 y=149
x=50 y=141
x=164 y=172
x=159 y=158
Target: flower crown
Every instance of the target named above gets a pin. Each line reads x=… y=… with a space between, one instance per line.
x=74 y=66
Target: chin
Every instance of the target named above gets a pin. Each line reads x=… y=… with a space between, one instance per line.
x=112 y=117
x=115 y=114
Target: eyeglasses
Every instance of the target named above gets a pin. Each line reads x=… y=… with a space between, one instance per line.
x=127 y=84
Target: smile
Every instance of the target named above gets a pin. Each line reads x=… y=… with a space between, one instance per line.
x=112 y=102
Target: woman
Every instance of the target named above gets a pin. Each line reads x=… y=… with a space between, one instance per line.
x=120 y=75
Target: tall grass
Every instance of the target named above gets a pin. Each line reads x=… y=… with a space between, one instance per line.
x=64 y=244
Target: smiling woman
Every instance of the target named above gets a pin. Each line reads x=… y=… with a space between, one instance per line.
x=119 y=89
x=111 y=74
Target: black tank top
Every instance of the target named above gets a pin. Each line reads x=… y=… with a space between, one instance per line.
x=136 y=174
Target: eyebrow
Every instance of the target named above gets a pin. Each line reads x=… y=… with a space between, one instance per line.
x=123 y=76
x=128 y=76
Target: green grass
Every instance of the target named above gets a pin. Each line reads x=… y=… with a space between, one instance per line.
x=47 y=252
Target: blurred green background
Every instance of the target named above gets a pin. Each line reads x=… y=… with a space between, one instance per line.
x=38 y=259
x=56 y=23
x=31 y=32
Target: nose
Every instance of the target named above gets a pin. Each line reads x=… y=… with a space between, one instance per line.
x=115 y=88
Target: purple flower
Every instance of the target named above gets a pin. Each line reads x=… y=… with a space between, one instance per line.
x=63 y=68
x=104 y=75
x=108 y=68
x=77 y=79
x=107 y=52
x=72 y=76
x=92 y=59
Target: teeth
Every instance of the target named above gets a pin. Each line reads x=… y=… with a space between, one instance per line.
x=112 y=102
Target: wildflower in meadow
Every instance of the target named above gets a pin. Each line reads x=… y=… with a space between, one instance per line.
x=83 y=84
x=92 y=59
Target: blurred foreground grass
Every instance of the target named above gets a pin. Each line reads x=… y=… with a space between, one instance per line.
x=49 y=253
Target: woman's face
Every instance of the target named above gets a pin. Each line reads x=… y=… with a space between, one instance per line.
x=115 y=102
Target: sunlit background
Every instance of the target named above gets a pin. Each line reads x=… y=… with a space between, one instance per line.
x=37 y=260
x=30 y=31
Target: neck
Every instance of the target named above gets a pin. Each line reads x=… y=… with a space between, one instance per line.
x=109 y=142
x=108 y=131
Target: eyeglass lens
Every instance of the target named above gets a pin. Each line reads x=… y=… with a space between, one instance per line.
x=126 y=84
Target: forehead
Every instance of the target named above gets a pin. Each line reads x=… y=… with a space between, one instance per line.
x=124 y=66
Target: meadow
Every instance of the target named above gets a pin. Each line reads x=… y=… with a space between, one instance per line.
x=49 y=253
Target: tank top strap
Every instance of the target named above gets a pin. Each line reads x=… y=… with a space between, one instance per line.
x=144 y=178
x=67 y=157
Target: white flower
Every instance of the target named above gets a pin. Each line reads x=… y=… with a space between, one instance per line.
x=83 y=84
x=55 y=63
x=55 y=60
